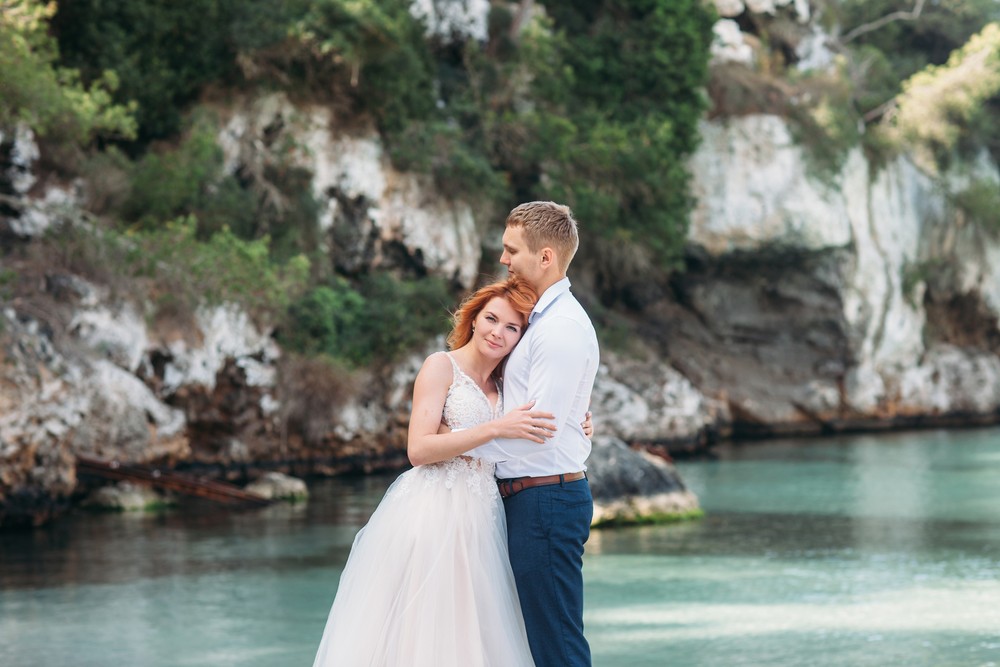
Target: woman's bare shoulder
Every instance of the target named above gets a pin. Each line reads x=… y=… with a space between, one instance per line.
x=436 y=368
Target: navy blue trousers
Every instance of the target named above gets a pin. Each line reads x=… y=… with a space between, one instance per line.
x=547 y=527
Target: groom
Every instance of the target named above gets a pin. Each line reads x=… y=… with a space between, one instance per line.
x=546 y=494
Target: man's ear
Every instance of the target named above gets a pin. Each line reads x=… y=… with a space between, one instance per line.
x=548 y=257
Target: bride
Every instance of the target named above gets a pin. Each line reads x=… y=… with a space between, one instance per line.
x=428 y=581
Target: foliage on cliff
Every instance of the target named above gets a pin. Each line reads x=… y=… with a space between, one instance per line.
x=931 y=79
x=942 y=105
x=47 y=97
x=593 y=103
x=848 y=94
x=590 y=102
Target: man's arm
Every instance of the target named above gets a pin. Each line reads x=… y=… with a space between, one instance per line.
x=560 y=356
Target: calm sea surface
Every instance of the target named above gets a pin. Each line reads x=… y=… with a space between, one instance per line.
x=870 y=550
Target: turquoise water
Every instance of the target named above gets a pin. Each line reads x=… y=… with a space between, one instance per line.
x=869 y=550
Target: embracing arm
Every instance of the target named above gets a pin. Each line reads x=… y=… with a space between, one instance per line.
x=564 y=359
x=426 y=445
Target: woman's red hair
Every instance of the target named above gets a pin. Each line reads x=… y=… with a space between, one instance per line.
x=517 y=293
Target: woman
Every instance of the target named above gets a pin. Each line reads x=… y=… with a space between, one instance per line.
x=428 y=581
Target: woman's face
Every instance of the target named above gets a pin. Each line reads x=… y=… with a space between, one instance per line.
x=498 y=328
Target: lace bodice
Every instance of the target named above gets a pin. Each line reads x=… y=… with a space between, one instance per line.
x=466 y=404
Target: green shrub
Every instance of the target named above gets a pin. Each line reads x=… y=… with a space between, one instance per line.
x=826 y=124
x=635 y=99
x=378 y=48
x=941 y=103
x=224 y=268
x=165 y=53
x=172 y=268
x=188 y=180
x=913 y=275
x=8 y=281
x=51 y=99
x=624 y=182
x=981 y=204
x=162 y=51
x=376 y=322
x=322 y=320
x=275 y=201
x=910 y=46
x=458 y=168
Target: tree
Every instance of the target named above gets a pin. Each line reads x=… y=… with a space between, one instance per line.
x=938 y=104
x=51 y=99
x=634 y=100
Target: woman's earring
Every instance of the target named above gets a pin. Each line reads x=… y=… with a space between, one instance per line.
x=473 y=328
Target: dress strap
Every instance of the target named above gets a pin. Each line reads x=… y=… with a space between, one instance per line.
x=457 y=371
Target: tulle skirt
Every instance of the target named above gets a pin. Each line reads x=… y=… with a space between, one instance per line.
x=428 y=582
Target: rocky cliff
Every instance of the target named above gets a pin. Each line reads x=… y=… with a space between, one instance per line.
x=809 y=304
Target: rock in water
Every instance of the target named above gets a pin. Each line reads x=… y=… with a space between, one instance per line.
x=635 y=487
x=278 y=486
x=125 y=497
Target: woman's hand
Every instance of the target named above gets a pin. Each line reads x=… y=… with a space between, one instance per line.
x=526 y=424
x=588 y=425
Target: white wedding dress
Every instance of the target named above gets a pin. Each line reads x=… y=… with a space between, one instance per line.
x=428 y=582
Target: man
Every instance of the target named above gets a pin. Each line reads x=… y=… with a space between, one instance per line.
x=546 y=494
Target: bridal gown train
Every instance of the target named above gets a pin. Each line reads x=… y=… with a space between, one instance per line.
x=428 y=582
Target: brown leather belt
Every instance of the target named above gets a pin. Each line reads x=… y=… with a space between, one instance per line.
x=510 y=487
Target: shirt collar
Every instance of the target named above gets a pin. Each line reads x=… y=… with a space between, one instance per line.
x=549 y=297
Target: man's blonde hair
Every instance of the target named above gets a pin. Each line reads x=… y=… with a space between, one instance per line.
x=547 y=224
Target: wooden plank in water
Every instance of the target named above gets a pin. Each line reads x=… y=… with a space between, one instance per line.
x=168 y=480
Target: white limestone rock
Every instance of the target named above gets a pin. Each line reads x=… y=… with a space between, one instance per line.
x=443 y=233
x=454 y=20
x=126 y=420
x=125 y=497
x=771 y=7
x=364 y=415
x=367 y=206
x=753 y=190
x=119 y=336
x=38 y=207
x=802 y=10
x=23 y=155
x=979 y=269
x=226 y=332
x=763 y=6
x=39 y=214
x=278 y=486
x=951 y=380
x=730 y=8
x=814 y=53
x=641 y=400
x=729 y=44
x=890 y=217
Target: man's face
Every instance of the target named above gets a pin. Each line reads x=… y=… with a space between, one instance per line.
x=518 y=259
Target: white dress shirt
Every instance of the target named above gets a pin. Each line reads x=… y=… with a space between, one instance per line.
x=555 y=363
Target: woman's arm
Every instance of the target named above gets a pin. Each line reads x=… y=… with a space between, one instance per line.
x=425 y=445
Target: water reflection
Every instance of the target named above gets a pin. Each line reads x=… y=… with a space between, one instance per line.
x=195 y=538
x=863 y=551
x=890 y=480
